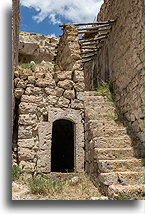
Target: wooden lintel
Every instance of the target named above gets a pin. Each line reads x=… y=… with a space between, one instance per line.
x=95 y=23
x=95 y=31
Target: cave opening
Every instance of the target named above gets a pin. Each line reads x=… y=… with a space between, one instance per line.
x=62 y=149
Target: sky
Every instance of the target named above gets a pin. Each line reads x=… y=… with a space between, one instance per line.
x=44 y=16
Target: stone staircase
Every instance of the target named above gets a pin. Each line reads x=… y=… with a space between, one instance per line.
x=111 y=160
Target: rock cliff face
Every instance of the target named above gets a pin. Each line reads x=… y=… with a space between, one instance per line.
x=36 y=47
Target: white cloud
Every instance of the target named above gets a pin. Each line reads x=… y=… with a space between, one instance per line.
x=74 y=10
x=53 y=35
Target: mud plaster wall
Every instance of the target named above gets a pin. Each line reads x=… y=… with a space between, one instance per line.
x=122 y=57
x=47 y=94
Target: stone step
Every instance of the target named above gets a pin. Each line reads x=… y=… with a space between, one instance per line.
x=111 y=133
x=120 y=165
x=113 y=153
x=89 y=93
x=119 y=192
x=104 y=115
x=119 y=142
x=99 y=124
x=123 y=178
x=98 y=107
x=96 y=99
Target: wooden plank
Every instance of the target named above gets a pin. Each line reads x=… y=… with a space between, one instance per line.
x=86 y=52
x=95 y=31
x=99 y=34
x=93 y=28
x=84 y=57
x=87 y=60
x=87 y=44
x=92 y=40
x=88 y=47
x=94 y=23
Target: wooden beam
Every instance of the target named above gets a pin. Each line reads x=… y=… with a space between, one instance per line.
x=86 y=52
x=88 y=47
x=88 y=60
x=94 y=28
x=95 y=23
x=99 y=34
x=94 y=31
x=87 y=44
x=92 y=40
x=83 y=57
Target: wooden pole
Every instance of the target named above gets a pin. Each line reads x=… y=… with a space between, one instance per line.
x=94 y=31
x=87 y=60
x=83 y=57
x=95 y=23
x=88 y=47
x=86 y=52
x=92 y=40
x=93 y=28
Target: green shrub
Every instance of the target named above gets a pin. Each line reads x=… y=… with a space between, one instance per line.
x=16 y=172
x=28 y=66
x=45 y=185
x=104 y=90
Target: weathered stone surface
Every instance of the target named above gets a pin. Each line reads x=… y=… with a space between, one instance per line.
x=27 y=166
x=45 y=83
x=108 y=178
x=78 y=76
x=52 y=100
x=25 y=154
x=80 y=86
x=25 y=132
x=62 y=75
x=77 y=104
x=26 y=108
x=31 y=99
x=63 y=102
x=69 y=94
x=59 y=91
x=18 y=92
x=28 y=119
x=66 y=84
x=21 y=84
x=31 y=79
x=26 y=143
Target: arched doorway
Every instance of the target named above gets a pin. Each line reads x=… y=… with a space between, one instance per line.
x=62 y=149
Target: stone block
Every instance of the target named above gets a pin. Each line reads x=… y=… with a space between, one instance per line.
x=25 y=108
x=63 y=102
x=80 y=86
x=78 y=76
x=27 y=119
x=77 y=104
x=62 y=75
x=52 y=100
x=25 y=132
x=66 y=84
x=69 y=94
x=108 y=178
x=31 y=99
x=27 y=166
x=26 y=143
x=21 y=84
x=18 y=92
x=45 y=83
x=25 y=154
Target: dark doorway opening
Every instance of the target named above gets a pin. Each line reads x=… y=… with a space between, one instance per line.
x=62 y=150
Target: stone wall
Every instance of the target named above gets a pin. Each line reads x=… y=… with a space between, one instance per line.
x=46 y=93
x=120 y=60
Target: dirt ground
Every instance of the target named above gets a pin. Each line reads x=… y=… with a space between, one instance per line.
x=76 y=187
